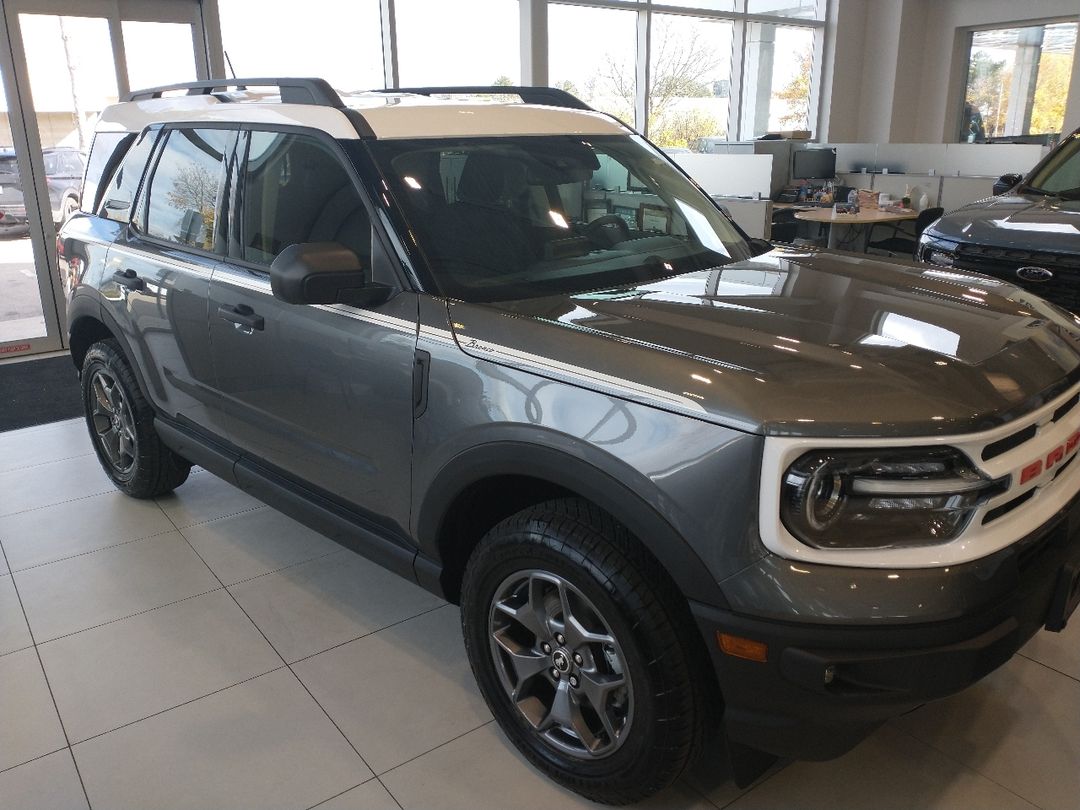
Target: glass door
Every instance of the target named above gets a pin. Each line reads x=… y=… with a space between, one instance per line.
x=65 y=61
x=22 y=312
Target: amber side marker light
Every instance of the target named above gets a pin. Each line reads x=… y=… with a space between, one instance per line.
x=740 y=647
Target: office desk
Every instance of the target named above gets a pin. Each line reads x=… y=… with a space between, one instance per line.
x=848 y=223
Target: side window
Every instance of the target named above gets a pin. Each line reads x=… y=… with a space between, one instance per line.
x=185 y=190
x=297 y=190
x=120 y=192
x=73 y=165
x=52 y=164
x=103 y=156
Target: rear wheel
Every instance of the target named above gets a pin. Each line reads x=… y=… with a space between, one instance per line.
x=67 y=208
x=121 y=424
x=588 y=667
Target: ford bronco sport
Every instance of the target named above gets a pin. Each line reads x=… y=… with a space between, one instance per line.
x=679 y=481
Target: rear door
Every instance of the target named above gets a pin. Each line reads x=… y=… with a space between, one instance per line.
x=157 y=274
x=321 y=394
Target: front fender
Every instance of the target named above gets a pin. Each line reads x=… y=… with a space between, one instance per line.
x=632 y=498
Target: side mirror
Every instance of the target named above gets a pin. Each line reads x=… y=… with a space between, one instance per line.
x=324 y=273
x=1007 y=182
x=760 y=246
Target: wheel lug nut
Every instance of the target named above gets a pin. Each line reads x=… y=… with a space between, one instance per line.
x=573 y=681
x=555 y=673
x=578 y=659
x=546 y=648
x=559 y=638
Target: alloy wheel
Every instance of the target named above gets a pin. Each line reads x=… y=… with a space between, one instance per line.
x=114 y=426
x=560 y=664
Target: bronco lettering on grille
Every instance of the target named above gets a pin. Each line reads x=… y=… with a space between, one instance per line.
x=1055 y=456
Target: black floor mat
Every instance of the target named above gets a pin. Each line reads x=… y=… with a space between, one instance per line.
x=34 y=392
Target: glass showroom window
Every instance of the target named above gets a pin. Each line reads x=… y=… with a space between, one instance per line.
x=1017 y=81
x=463 y=42
x=592 y=52
x=285 y=38
x=158 y=53
x=689 y=81
x=778 y=64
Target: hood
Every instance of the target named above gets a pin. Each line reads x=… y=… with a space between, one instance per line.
x=798 y=343
x=1026 y=221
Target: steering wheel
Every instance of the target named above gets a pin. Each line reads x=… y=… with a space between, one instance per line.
x=602 y=230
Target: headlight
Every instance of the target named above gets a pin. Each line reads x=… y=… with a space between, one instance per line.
x=936 y=251
x=882 y=499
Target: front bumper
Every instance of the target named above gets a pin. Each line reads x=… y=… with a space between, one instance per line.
x=785 y=706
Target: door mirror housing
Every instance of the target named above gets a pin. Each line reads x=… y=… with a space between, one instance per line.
x=324 y=273
x=1007 y=182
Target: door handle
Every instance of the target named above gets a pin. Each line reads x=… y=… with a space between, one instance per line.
x=128 y=278
x=242 y=317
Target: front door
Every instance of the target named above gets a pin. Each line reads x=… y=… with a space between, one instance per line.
x=322 y=394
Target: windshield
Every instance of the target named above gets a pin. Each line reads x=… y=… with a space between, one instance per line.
x=1061 y=174
x=520 y=217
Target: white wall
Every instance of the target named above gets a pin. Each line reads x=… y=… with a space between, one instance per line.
x=895 y=69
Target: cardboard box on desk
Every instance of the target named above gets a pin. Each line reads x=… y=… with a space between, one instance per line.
x=868 y=200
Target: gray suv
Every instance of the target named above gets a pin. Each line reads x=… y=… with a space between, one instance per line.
x=681 y=483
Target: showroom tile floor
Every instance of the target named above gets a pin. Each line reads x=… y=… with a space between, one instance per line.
x=204 y=651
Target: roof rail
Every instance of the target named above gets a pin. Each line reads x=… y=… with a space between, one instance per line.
x=551 y=96
x=293 y=91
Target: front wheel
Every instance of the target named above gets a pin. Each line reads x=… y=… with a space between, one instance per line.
x=121 y=424
x=588 y=667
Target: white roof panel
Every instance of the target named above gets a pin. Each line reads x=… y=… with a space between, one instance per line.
x=132 y=116
x=388 y=115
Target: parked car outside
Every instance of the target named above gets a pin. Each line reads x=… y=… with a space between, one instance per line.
x=681 y=483
x=1027 y=235
x=64 y=168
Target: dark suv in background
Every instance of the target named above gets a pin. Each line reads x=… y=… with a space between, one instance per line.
x=64 y=168
x=1028 y=235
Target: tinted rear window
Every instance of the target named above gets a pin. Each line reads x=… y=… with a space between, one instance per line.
x=8 y=165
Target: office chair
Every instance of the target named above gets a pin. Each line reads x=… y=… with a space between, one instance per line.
x=903 y=242
x=784 y=226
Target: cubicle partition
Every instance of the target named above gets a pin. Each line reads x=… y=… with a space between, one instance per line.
x=950 y=175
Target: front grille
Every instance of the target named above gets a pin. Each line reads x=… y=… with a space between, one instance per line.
x=1063 y=289
x=995 y=449
x=1005 y=508
x=1067 y=406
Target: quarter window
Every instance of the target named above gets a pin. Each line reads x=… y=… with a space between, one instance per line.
x=185 y=191
x=119 y=194
x=296 y=190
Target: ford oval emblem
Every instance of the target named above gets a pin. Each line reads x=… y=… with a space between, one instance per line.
x=1034 y=274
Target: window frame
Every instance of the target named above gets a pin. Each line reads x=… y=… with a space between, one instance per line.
x=233 y=242
x=964 y=66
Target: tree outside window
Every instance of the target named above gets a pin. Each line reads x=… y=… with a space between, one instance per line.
x=1018 y=81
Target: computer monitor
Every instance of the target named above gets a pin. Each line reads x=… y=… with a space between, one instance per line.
x=813 y=164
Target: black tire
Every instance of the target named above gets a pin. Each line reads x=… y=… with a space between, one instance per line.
x=68 y=207
x=138 y=463
x=617 y=586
